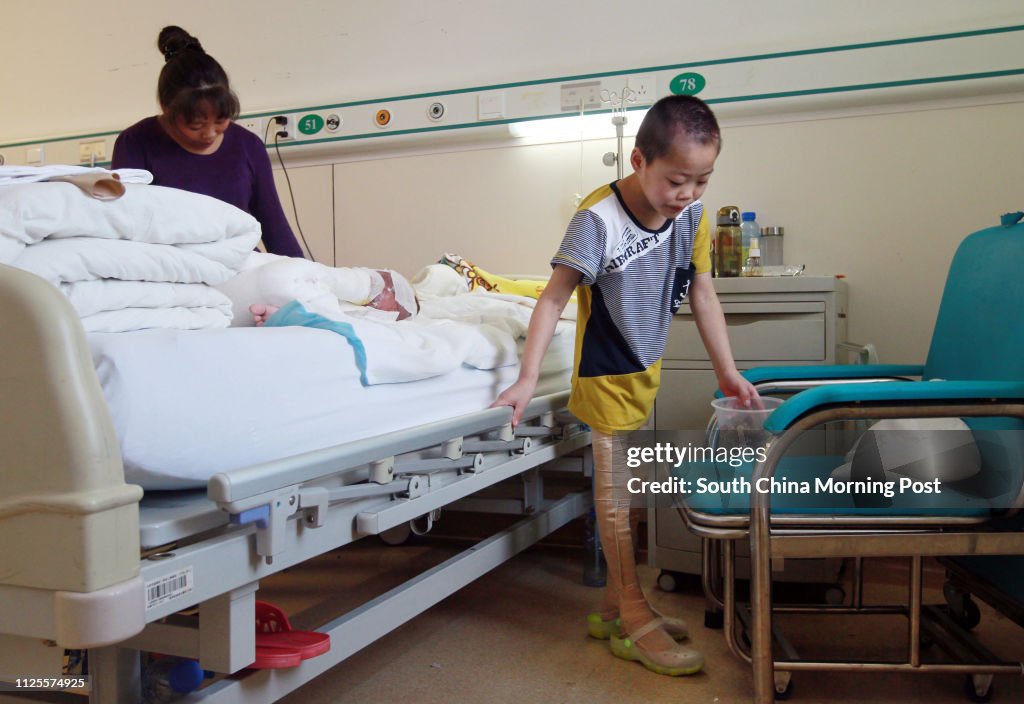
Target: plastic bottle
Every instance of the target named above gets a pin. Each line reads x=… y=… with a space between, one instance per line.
x=749 y=229
x=594 y=567
x=166 y=679
x=753 y=266
x=728 y=242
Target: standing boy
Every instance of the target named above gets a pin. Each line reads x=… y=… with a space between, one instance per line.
x=635 y=249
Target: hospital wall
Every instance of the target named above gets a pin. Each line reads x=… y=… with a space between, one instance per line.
x=881 y=193
x=883 y=199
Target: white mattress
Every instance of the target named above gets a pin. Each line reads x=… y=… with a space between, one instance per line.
x=189 y=404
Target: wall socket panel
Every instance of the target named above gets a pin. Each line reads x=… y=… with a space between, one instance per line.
x=587 y=92
x=255 y=125
x=643 y=88
x=92 y=152
x=290 y=127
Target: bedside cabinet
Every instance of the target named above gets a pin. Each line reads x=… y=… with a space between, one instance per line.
x=772 y=321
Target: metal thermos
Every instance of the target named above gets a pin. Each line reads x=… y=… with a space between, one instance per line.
x=728 y=242
x=771 y=246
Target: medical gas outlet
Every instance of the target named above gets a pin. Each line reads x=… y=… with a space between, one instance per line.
x=436 y=111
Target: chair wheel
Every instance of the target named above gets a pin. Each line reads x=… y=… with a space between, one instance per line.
x=786 y=692
x=971 y=691
x=962 y=609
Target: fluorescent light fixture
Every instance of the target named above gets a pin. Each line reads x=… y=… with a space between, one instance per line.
x=574 y=127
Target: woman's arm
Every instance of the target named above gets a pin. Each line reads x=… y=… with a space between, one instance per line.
x=265 y=206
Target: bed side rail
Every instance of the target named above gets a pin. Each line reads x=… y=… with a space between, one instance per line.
x=237 y=486
x=404 y=465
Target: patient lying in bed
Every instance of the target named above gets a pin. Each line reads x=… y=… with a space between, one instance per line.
x=393 y=298
x=268 y=282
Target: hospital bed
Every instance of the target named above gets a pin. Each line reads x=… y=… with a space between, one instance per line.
x=90 y=562
x=974 y=371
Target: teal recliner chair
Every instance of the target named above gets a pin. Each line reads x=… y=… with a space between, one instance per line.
x=975 y=372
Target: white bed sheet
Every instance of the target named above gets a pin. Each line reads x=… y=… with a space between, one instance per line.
x=189 y=404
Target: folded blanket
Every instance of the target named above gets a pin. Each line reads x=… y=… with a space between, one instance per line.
x=109 y=305
x=14 y=175
x=156 y=238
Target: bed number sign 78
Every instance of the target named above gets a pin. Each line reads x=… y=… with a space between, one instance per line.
x=687 y=84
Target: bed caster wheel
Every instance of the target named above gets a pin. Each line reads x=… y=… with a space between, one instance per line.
x=668 y=581
x=398 y=535
x=978 y=688
x=714 y=620
x=835 y=595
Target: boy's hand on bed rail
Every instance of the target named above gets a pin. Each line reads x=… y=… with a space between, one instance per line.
x=517 y=396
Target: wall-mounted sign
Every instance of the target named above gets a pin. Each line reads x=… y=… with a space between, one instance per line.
x=687 y=84
x=311 y=124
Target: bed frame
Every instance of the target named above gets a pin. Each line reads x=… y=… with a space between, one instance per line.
x=87 y=563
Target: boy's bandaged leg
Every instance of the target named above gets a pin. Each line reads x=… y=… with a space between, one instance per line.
x=612 y=502
x=623 y=593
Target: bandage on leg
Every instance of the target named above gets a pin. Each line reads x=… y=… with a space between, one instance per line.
x=647 y=641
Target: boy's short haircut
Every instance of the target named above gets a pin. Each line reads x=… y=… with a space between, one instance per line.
x=671 y=116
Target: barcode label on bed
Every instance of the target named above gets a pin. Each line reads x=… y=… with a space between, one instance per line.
x=162 y=590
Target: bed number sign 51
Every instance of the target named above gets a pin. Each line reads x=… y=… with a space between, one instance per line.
x=687 y=84
x=311 y=124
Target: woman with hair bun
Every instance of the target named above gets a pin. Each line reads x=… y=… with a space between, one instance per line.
x=194 y=145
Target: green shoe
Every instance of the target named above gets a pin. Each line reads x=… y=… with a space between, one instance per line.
x=674 y=663
x=603 y=630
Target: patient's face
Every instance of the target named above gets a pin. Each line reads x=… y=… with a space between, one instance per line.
x=386 y=299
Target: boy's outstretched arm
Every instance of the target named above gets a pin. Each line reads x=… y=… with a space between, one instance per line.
x=707 y=312
x=538 y=336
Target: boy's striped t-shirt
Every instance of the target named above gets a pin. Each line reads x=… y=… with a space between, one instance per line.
x=634 y=280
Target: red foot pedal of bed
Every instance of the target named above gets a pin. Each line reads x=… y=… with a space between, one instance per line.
x=277 y=645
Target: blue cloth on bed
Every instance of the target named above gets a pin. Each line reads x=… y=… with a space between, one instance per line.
x=294 y=314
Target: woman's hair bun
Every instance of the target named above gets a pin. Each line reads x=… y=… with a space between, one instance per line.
x=174 y=40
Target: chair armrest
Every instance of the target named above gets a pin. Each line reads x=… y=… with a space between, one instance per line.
x=831 y=371
x=925 y=392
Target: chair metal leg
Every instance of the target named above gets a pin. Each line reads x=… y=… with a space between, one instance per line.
x=761 y=607
x=914 y=647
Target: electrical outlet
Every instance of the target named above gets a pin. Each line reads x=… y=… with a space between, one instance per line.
x=588 y=93
x=91 y=152
x=283 y=129
x=254 y=125
x=642 y=88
